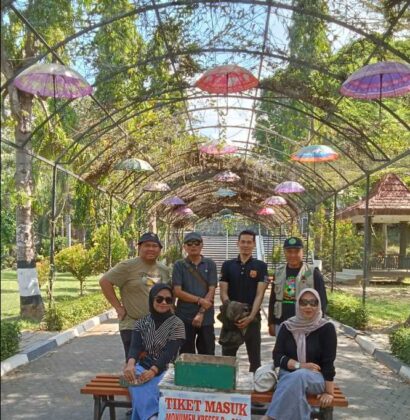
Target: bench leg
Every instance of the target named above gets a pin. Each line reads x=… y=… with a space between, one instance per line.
x=327 y=413
x=112 y=408
x=97 y=407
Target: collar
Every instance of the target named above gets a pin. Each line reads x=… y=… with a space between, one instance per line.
x=238 y=259
x=190 y=262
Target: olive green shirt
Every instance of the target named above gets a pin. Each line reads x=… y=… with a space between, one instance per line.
x=135 y=278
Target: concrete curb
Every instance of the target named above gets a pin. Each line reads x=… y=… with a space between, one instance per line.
x=39 y=349
x=382 y=356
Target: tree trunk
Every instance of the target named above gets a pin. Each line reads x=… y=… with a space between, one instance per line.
x=31 y=303
x=67 y=212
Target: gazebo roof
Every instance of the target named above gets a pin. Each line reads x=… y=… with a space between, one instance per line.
x=389 y=202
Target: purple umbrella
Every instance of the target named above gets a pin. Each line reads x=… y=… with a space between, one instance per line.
x=184 y=211
x=53 y=80
x=275 y=200
x=157 y=186
x=227 y=176
x=380 y=80
x=173 y=201
x=289 y=187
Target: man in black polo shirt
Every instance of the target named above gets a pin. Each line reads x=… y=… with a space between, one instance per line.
x=289 y=280
x=194 y=280
x=244 y=279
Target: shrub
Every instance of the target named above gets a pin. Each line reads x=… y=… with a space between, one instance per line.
x=99 y=251
x=400 y=343
x=70 y=313
x=10 y=336
x=77 y=261
x=43 y=271
x=348 y=310
x=172 y=254
x=60 y=242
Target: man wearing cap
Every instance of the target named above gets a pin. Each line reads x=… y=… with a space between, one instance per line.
x=194 y=280
x=290 y=279
x=134 y=278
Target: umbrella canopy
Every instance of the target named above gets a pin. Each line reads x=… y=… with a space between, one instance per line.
x=227 y=79
x=225 y=192
x=227 y=176
x=157 y=186
x=289 y=187
x=184 y=211
x=376 y=81
x=53 y=80
x=218 y=149
x=315 y=153
x=173 y=201
x=265 y=211
x=137 y=165
x=275 y=200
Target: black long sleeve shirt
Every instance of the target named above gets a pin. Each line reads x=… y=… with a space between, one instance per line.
x=168 y=354
x=288 y=308
x=320 y=349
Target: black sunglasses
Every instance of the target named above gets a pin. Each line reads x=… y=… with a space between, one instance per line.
x=192 y=243
x=160 y=299
x=312 y=302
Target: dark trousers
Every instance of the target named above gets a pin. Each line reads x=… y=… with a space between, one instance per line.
x=200 y=339
x=126 y=336
x=253 y=345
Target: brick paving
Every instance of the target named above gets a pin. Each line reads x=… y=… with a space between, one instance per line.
x=48 y=388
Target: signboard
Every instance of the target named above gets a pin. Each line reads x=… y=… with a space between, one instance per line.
x=186 y=405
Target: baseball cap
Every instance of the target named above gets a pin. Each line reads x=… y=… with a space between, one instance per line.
x=150 y=237
x=293 y=242
x=192 y=236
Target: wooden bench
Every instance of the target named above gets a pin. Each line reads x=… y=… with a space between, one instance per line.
x=104 y=389
x=264 y=398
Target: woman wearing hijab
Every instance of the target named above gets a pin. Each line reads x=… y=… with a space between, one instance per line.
x=155 y=343
x=305 y=351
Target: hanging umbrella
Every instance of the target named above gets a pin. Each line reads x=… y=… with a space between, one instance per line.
x=225 y=212
x=184 y=211
x=218 y=149
x=289 y=187
x=227 y=176
x=227 y=79
x=315 y=153
x=137 y=165
x=173 y=201
x=157 y=186
x=225 y=192
x=275 y=200
x=380 y=80
x=53 y=80
x=265 y=211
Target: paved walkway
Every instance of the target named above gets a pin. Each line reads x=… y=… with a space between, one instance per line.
x=48 y=388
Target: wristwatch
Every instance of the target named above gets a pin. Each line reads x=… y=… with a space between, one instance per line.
x=297 y=365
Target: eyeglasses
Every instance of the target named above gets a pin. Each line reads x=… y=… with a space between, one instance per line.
x=192 y=243
x=160 y=299
x=312 y=302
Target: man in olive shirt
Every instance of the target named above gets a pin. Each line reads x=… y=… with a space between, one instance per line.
x=134 y=278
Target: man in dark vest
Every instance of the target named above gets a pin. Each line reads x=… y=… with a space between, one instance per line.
x=289 y=280
x=194 y=280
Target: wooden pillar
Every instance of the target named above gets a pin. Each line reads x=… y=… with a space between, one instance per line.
x=385 y=238
x=404 y=237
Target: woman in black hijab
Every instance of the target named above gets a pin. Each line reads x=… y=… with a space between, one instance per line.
x=155 y=343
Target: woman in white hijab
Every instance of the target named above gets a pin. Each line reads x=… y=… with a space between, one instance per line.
x=305 y=351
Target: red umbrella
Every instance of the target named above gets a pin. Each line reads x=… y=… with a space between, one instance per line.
x=218 y=149
x=227 y=79
x=265 y=211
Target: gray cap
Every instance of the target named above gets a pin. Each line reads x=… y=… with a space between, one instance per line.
x=192 y=236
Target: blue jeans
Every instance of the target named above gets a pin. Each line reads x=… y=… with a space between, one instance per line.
x=289 y=400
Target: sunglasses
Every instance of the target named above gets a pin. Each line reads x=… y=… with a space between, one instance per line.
x=160 y=299
x=312 y=302
x=192 y=243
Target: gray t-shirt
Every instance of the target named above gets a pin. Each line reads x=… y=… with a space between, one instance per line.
x=190 y=284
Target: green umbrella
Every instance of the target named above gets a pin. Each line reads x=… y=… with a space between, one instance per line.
x=134 y=165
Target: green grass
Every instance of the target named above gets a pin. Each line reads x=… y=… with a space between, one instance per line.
x=66 y=288
x=385 y=313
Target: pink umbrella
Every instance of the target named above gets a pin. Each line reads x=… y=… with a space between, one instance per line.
x=227 y=79
x=379 y=80
x=53 y=80
x=157 y=186
x=227 y=176
x=265 y=211
x=275 y=200
x=289 y=187
x=184 y=211
x=218 y=149
x=173 y=201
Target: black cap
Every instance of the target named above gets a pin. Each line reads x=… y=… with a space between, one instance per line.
x=150 y=237
x=192 y=236
x=293 y=242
